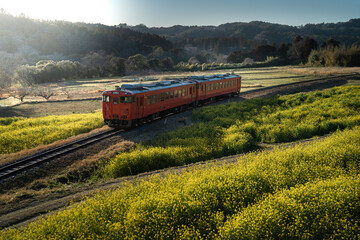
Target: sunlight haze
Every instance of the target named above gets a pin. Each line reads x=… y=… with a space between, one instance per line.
x=185 y=12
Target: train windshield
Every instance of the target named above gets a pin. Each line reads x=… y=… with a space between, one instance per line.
x=126 y=99
x=106 y=98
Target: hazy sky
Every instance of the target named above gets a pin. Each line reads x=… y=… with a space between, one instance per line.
x=186 y=12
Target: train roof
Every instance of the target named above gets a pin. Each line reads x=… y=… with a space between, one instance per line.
x=145 y=87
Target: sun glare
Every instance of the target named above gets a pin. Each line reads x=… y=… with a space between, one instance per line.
x=69 y=10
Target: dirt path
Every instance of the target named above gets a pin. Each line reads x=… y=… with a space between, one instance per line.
x=19 y=214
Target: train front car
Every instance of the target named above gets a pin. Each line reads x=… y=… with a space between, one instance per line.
x=118 y=106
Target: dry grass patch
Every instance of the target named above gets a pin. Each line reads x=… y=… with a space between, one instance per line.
x=325 y=70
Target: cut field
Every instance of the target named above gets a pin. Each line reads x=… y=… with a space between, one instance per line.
x=41 y=109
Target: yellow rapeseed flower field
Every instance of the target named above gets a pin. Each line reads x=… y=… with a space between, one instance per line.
x=308 y=191
x=17 y=134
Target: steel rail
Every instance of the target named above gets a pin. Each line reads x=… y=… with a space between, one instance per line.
x=13 y=168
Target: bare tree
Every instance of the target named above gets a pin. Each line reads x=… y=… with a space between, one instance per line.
x=67 y=92
x=46 y=93
x=20 y=93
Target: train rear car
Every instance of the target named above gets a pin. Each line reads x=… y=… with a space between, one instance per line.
x=211 y=87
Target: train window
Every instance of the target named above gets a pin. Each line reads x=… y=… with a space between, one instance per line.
x=167 y=96
x=149 y=100
x=126 y=99
x=175 y=94
x=190 y=90
x=154 y=99
x=221 y=85
x=162 y=97
x=116 y=100
x=183 y=92
x=171 y=95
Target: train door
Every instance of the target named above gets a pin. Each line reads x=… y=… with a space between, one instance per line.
x=206 y=88
x=107 y=109
x=140 y=106
x=197 y=91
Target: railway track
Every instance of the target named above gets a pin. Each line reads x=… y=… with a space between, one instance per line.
x=13 y=168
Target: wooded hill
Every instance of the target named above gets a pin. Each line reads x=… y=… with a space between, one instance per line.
x=65 y=40
x=253 y=33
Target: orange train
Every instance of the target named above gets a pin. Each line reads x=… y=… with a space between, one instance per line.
x=134 y=104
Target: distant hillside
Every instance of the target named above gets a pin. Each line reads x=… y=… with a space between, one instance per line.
x=65 y=40
x=257 y=32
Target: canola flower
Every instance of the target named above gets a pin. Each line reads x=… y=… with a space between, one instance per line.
x=17 y=134
x=308 y=191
